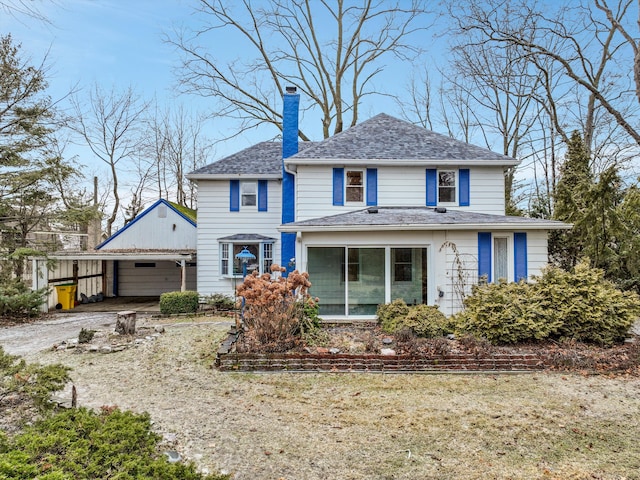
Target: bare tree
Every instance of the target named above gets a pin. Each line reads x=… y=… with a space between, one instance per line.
x=110 y=127
x=586 y=46
x=176 y=145
x=26 y=8
x=330 y=50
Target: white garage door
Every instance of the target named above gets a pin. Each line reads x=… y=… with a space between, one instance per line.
x=152 y=278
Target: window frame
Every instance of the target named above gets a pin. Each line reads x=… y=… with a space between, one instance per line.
x=246 y=195
x=455 y=187
x=507 y=258
x=361 y=186
x=263 y=260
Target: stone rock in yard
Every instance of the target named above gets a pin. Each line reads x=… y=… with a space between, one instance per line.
x=159 y=328
x=106 y=349
x=387 y=341
x=172 y=456
x=387 y=351
x=334 y=350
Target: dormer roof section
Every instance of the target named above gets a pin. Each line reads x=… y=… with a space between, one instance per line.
x=385 y=140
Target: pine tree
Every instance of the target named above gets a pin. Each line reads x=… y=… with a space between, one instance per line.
x=571 y=204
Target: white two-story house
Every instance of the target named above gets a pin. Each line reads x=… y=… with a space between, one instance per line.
x=383 y=210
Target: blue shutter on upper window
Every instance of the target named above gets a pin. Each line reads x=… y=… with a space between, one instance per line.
x=463 y=180
x=484 y=255
x=338 y=186
x=262 y=195
x=234 y=195
x=520 y=256
x=372 y=187
x=432 y=187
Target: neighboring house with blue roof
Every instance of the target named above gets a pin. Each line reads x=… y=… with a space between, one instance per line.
x=383 y=210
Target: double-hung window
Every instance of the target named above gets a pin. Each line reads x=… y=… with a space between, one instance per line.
x=447 y=186
x=249 y=194
x=355 y=186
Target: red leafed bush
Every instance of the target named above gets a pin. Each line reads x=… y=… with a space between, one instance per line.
x=274 y=308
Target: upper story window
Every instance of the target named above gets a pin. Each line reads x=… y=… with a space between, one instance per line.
x=355 y=186
x=446 y=186
x=248 y=194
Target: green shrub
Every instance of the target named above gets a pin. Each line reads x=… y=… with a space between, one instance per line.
x=588 y=307
x=35 y=381
x=504 y=313
x=79 y=443
x=391 y=314
x=426 y=321
x=18 y=300
x=579 y=305
x=220 y=301
x=422 y=320
x=179 y=302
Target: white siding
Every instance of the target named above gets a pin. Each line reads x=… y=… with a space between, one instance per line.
x=152 y=231
x=63 y=273
x=452 y=257
x=216 y=221
x=404 y=186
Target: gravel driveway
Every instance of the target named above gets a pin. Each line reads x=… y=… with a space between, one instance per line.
x=31 y=338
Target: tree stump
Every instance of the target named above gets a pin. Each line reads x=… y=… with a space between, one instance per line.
x=126 y=322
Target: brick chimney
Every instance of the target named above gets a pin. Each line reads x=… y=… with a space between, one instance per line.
x=291 y=103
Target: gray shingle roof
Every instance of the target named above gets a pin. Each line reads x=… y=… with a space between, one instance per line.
x=421 y=217
x=386 y=137
x=264 y=158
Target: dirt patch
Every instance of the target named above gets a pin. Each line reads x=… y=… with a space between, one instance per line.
x=372 y=426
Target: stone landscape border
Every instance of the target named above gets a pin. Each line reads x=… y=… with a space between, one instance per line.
x=229 y=361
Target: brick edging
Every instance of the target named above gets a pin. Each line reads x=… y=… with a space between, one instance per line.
x=303 y=362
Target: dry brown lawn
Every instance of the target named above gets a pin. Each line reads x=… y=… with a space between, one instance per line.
x=367 y=426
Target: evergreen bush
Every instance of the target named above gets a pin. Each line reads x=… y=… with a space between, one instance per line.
x=427 y=321
x=172 y=303
x=81 y=444
x=220 y=301
x=391 y=315
x=587 y=307
x=18 y=300
x=580 y=305
x=504 y=313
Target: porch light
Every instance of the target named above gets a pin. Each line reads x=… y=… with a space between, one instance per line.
x=244 y=256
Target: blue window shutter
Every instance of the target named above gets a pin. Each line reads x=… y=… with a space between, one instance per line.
x=432 y=187
x=372 y=186
x=234 y=195
x=484 y=255
x=262 y=195
x=338 y=186
x=463 y=179
x=520 y=256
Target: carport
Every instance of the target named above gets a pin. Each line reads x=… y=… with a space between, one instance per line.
x=116 y=274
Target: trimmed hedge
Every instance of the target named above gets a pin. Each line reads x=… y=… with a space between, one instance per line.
x=179 y=302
